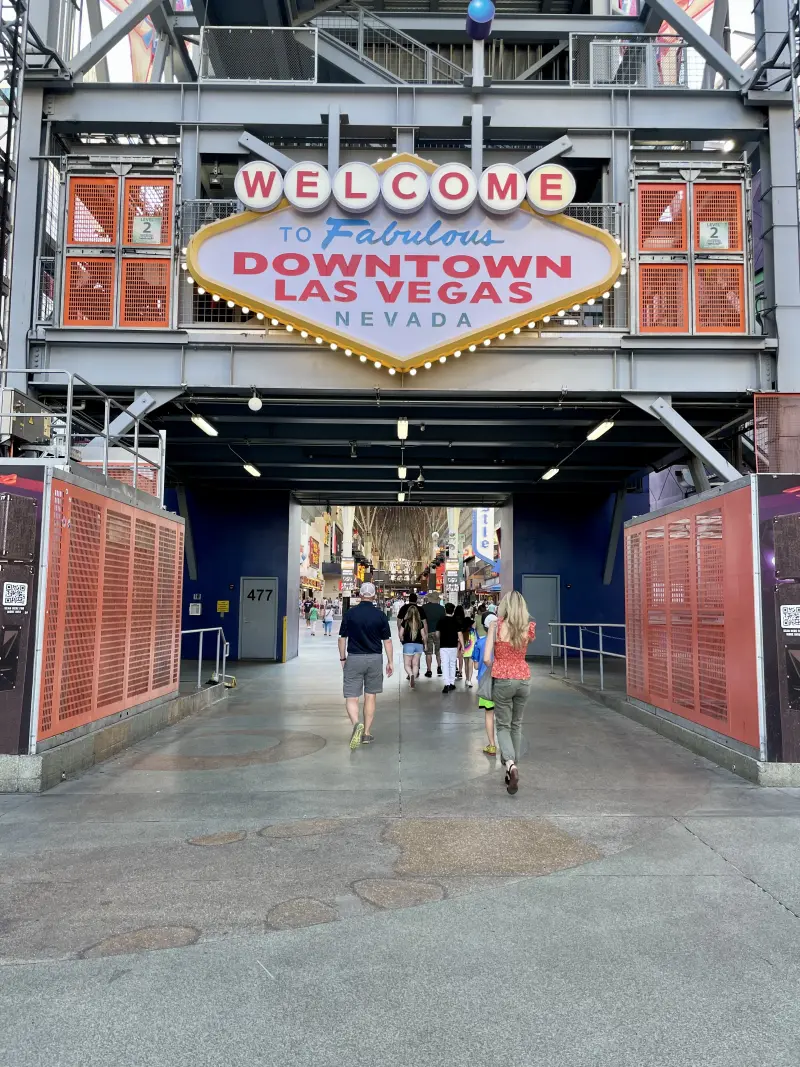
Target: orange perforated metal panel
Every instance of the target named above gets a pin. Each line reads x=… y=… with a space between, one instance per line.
x=634 y=630
x=145 y=292
x=777 y=433
x=690 y=613
x=115 y=608
x=143 y=606
x=662 y=217
x=92 y=211
x=718 y=215
x=112 y=621
x=148 y=200
x=663 y=298
x=146 y=475
x=89 y=291
x=719 y=298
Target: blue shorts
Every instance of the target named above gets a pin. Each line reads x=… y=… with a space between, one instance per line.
x=412 y=648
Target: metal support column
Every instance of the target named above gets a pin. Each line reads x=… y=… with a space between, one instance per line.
x=26 y=215
x=334 y=138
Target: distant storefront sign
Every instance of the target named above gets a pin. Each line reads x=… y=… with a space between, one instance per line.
x=483 y=533
x=410 y=262
x=313 y=552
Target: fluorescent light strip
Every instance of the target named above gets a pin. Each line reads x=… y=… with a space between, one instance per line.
x=205 y=426
x=256 y=473
x=550 y=474
x=599 y=430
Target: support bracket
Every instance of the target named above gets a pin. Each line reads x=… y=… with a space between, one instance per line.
x=261 y=148
x=661 y=408
x=101 y=45
x=544 y=155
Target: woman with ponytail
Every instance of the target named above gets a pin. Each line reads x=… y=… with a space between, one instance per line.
x=505 y=648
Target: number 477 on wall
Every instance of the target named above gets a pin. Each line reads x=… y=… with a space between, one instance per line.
x=252 y=594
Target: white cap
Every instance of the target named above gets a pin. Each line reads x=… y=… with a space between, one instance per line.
x=367 y=590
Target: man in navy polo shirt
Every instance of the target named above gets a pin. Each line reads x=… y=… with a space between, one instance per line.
x=364 y=635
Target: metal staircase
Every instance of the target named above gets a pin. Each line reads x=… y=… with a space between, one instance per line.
x=392 y=54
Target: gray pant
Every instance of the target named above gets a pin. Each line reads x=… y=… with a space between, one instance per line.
x=510 y=695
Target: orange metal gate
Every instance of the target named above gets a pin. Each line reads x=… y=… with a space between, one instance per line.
x=690 y=614
x=113 y=608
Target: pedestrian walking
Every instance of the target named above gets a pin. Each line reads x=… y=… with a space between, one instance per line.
x=307 y=606
x=470 y=638
x=327 y=620
x=450 y=640
x=484 y=675
x=434 y=612
x=364 y=636
x=506 y=644
x=412 y=629
x=313 y=615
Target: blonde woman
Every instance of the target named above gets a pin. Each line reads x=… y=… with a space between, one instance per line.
x=506 y=644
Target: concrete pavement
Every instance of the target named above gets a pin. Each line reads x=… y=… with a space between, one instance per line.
x=242 y=889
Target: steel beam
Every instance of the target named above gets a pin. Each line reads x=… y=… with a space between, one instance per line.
x=261 y=148
x=110 y=35
x=713 y=53
x=180 y=53
x=544 y=155
x=448 y=29
x=719 y=17
x=334 y=138
x=613 y=537
x=26 y=216
x=562 y=46
x=661 y=409
x=683 y=113
x=318 y=9
x=95 y=28
x=476 y=133
x=160 y=58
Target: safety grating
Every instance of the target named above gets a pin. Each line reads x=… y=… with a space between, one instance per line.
x=718 y=217
x=663 y=298
x=102 y=637
x=89 y=291
x=777 y=433
x=662 y=217
x=80 y=616
x=165 y=592
x=719 y=298
x=92 y=211
x=114 y=609
x=681 y=613
x=634 y=620
x=144 y=292
x=148 y=212
x=142 y=608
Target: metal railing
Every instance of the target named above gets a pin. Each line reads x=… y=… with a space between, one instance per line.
x=259 y=54
x=595 y=629
x=638 y=61
x=396 y=52
x=222 y=653
x=74 y=436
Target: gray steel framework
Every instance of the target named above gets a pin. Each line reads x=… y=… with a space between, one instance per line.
x=592 y=127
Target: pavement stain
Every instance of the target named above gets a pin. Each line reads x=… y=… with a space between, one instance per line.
x=147 y=939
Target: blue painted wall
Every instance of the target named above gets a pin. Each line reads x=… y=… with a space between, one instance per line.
x=236 y=535
x=568 y=536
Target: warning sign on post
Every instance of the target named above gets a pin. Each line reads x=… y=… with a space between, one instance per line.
x=714 y=235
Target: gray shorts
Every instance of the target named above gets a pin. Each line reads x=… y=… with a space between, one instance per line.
x=363 y=674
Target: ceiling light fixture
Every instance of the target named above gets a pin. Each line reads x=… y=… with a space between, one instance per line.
x=401 y=497
x=401 y=473
x=255 y=403
x=600 y=429
x=550 y=474
x=205 y=425
x=256 y=473
x=728 y=146
x=402 y=428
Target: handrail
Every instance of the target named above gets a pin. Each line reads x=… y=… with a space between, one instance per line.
x=222 y=647
x=72 y=417
x=581 y=648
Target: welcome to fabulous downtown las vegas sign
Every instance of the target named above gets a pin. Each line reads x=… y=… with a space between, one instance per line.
x=403 y=262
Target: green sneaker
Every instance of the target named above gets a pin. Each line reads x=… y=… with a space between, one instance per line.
x=355 y=737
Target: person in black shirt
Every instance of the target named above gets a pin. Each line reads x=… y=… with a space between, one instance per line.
x=451 y=640
x=412 y=629
x=363 y=634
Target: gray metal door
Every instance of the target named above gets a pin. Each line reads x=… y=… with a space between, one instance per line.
x=258 y=618
x=541 y=592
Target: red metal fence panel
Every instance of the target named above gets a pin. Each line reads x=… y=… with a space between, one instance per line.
x=777 y=433
x=112 y=622
x=690 y=614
